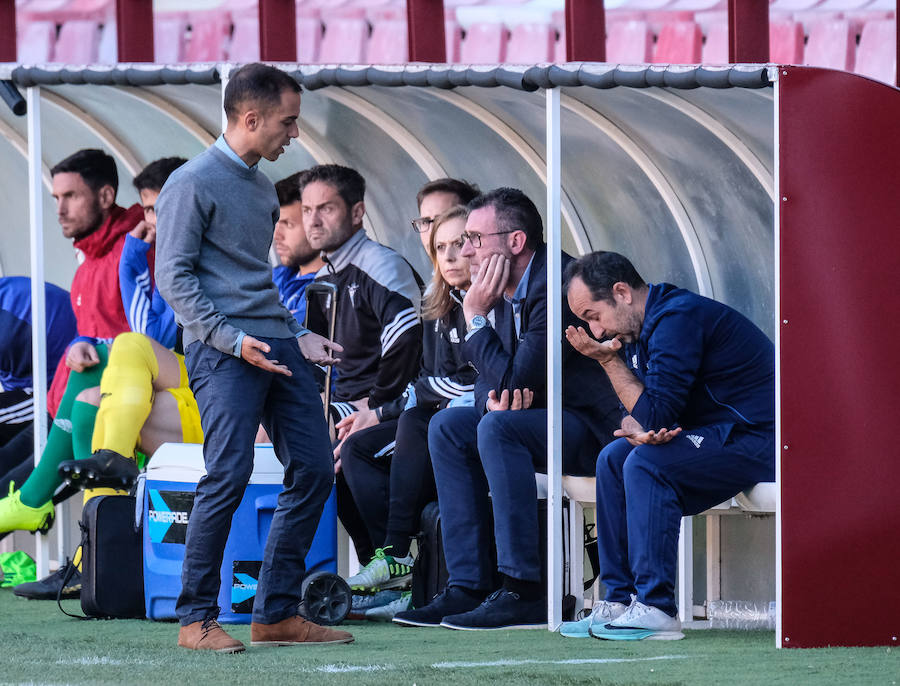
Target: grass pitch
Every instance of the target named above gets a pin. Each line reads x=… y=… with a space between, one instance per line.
x=40 y=645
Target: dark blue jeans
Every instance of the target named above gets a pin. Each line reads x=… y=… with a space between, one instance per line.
x=643 y=492
x=234 y=398
x=497 y=453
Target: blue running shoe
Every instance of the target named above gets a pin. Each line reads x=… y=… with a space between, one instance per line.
x=604 y=611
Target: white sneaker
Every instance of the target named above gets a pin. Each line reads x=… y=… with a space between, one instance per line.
x=604 y=611
x=383 y=572
x=386 y=613
x=640 y=622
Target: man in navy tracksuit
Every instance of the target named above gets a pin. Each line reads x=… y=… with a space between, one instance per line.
x=698 y=379
x=497 y=446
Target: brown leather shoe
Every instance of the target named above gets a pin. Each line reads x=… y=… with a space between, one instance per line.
x=295 y=631
x=208 y=635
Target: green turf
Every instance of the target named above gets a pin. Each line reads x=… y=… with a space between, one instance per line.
x=40 y=645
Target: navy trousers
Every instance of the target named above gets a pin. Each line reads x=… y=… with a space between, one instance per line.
x=643 y=492
x=497 y=453
x=234 y=397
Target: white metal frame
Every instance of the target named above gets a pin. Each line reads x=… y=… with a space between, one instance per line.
x=554 y=363
x=38 y=304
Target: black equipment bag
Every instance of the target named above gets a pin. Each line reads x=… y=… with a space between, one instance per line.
x=112 y=563
x=429 y=575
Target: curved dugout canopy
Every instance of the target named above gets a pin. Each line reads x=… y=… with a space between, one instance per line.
x=671 y=166
x=680 y=168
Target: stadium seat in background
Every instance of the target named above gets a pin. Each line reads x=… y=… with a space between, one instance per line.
x=309 y=35
x=208 y=41
x=244 y=45
x=108 y=49
x=531 y=43
x=679 y=43
x=715 y=47
x=169 y=33
x=792 y=5
x=628 y=42
x=78 y=42
x=876 y=55
x=388 y=43
x=453 y=40
x=831 y=44
x=661 y=18
x=841 y=5
x=785 y=41
x=484 y=44
x=344 y=41
x=35 y=42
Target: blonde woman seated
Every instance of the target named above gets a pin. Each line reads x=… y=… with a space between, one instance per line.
x=387 y=466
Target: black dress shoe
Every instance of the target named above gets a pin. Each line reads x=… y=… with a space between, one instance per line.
x=453 y=600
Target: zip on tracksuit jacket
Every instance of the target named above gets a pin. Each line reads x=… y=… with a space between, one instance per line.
x=702 y=363
x=446 y=375
x=377 y=321
x=96 y=298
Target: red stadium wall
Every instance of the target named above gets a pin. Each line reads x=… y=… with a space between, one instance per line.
x=839 y=157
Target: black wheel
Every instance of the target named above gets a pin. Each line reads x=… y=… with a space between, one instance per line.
x=325 y=598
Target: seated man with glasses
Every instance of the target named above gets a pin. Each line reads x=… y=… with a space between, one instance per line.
x=497 y=446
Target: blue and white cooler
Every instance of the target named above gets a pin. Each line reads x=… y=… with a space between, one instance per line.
x=168 y=496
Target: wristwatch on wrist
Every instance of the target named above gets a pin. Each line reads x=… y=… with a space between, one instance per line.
x=478 y=322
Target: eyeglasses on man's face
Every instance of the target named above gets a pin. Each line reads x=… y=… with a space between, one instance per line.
x=422 y=224
x=475 y=238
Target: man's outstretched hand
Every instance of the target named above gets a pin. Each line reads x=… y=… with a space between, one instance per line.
x=601 y=351
x=658 y=437
x=521 y=400
x=319 y=349
x=254 y=351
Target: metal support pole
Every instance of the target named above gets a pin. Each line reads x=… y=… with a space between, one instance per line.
x=134 y=30
x=425 y=31
x=585 y=31
x=38 y=304
x=277 y=31
x=7 y=30
x=686 y=570
x=554 y=366
x=748 y=31
x=224 y=75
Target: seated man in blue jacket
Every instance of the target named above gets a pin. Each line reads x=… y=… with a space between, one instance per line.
x=497 y=446
x=698 y=379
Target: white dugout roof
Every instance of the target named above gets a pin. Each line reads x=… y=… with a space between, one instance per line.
x=671 y=166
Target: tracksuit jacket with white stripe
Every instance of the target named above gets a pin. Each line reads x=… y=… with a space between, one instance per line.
x=377 y=320
x=446 y=374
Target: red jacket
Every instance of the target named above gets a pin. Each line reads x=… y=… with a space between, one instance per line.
x=96 y=298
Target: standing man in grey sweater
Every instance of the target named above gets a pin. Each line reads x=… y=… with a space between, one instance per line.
x=244 y=353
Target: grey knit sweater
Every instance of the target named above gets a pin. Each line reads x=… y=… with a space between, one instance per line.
x=214 y=228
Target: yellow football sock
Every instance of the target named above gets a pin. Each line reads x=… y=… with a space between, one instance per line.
x=126 y=394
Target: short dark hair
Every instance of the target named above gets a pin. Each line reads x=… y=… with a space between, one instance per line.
x=96 y=167
x=465 y=191
x=350 y=184
x=288 y=190
x=153 y=177
x=600 y=271
x=514 y=211
x=258 y=83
